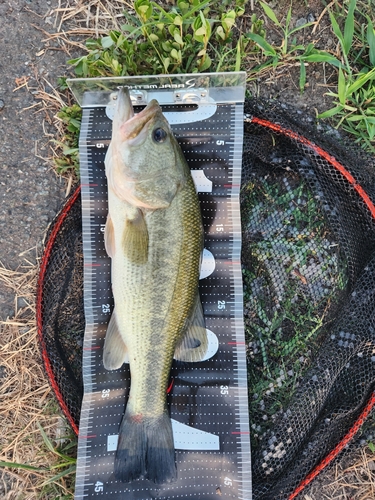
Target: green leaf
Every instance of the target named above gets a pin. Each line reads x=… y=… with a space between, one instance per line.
x=16 y=465
x=206 y=63
x=371 y=40
x=336 y=29
x=143 y=8
x=302 y=77
x=177 y=21
x=331 y=112
x=349 y=27
x=46 y=440
x=166 y=63
x=371 y=446
x=341 y=87
x=298 y=28
x=106 y=42
x=128 y=28
x=355 y=118
x=259 y=40
x=270 y=13
x=178 y=38
x=183 y=6
x=238 y=56
x=58 y=476
x=201 y=31
x=220 y=32
x=69 y=151
x=166 y=46
x=360 y=81
x=322 y=57
x=288 y=17
x=176 y=54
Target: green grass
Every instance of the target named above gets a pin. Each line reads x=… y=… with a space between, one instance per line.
x=354 y=99
x=55 y=480
x=200 y=36
x=291 y=277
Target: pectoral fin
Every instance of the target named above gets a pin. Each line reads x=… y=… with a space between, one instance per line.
x=114 y=351
x=135 y=238
x=193 y=345
x=109 y=237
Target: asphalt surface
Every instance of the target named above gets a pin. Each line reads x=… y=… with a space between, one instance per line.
x=30 y=191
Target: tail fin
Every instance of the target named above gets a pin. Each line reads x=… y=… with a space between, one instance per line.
x=145 y=449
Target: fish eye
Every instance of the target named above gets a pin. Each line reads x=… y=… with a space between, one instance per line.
x=159 y=135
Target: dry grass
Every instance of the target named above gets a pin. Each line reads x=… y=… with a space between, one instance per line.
x=354 y=481
x=26 y=399
x=95 y=17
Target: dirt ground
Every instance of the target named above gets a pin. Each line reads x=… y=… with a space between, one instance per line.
x=30 y=192
x=31 y=62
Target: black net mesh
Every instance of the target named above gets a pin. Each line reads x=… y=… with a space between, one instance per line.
x=61 y=320
x=309 y=296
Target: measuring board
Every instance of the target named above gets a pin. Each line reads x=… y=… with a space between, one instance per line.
x=208 y=401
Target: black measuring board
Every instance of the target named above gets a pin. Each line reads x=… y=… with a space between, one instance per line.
x=208 y=400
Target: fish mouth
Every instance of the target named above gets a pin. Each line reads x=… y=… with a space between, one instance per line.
x=132 y=127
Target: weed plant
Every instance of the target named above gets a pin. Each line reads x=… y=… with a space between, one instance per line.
x=199 y=36
x=354 y=99
x=192 y=36
x=69 y=159
x=59 y=477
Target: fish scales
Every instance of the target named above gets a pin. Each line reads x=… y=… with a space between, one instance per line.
x=162 y=293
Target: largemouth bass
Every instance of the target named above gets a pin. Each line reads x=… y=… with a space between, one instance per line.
x=154 y=236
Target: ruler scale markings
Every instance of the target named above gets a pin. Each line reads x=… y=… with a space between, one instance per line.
x=228 y=278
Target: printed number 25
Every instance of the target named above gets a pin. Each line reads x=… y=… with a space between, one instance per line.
x=221 y=304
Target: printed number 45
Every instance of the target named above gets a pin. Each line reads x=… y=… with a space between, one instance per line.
x=98 y=487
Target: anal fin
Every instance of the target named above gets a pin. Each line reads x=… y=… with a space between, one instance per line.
x=193 y=345
x=114 y=351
